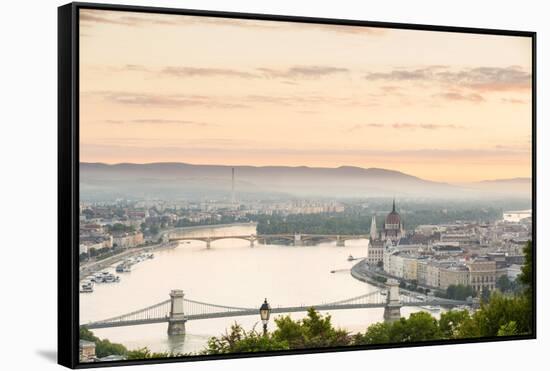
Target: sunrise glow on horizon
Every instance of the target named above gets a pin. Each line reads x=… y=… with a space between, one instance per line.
x=442 y=106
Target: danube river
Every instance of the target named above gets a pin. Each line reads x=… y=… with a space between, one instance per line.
x=234 y=274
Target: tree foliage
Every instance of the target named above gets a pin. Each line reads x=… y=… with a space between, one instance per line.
x=314 y=331
x=145 y=353
x=419 y=326
x=119 y=227
x=450 y=322
x=238 y=340
x=459 y=292
x=526 y=275
x=103 y=347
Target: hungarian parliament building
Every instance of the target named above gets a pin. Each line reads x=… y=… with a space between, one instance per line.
x=466 y=253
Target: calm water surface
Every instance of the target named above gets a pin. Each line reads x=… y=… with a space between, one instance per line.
x=234 y=274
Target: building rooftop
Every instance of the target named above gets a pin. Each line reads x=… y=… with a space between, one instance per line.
x=86 y=344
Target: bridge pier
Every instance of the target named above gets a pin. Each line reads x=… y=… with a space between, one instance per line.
x=176 y=321
x=392 y=310
x=298 y=239
x=208 y=243
x=340 y=242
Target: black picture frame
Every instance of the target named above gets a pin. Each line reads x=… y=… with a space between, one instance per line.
x=68 y=175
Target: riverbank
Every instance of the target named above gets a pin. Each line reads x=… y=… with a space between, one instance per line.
x=93 y=267
x=361 y=272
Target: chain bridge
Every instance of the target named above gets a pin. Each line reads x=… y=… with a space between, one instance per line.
x=177 y=310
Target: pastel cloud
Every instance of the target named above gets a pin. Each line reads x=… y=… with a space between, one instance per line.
x=91 y=17
x=406 y=126
x=479 y=78
x=157 y=122
x=307 y=72
x=455 y=96
x=205 y=72
x=164 y=100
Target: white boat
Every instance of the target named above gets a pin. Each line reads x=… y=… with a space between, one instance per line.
x=87 y=287
x=98 y=278
x=123 y=268
x=110 y=278
x=350 y=258
x=431 y=308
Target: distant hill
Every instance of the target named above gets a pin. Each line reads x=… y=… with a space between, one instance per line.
x=512 y=186
x=507 y=181
x=181 y=180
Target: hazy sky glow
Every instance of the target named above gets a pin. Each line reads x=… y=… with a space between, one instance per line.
x=169 y=88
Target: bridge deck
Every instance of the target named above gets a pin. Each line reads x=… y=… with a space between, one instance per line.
x=250 y=312
x=268 y=236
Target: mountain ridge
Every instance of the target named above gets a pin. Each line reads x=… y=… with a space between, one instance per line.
x=177 y=179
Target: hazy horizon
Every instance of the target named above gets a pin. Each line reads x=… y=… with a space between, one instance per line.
x=447 y=107
x=292 y=167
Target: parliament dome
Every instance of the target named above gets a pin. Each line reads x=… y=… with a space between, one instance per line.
x=393 y=219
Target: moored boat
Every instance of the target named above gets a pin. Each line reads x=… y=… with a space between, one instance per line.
x=86 y=287
x=110 y=278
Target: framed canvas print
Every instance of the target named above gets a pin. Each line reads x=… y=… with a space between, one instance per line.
x=238 y=185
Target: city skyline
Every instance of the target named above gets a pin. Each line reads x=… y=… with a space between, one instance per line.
x=423 y=103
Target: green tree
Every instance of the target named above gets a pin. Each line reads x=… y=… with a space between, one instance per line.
x=526 y=275
x=119 y=227
x=501 y=310
x=378 y=333
x=504 y=284
x=314 y=331
x=450 y=322
x=485 y=295
x=154 y=229
x=237 y=340
x=103 y=347
x=508 y=329
x=459 y=292
x=145 y=353
x=419 y=326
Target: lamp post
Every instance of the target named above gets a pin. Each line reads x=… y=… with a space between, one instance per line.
x=265 y=311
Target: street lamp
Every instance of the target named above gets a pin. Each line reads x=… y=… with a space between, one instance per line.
x=265 y=311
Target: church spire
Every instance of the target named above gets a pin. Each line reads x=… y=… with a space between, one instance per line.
x=393 y=208
x=373 y=232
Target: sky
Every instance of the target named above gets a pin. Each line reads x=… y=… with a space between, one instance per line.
x=442 y=106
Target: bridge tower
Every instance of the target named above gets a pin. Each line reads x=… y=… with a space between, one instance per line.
x=252 y=239
x=340 y=242
x=176 y=321
x=297 y=239
x=392 y=310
